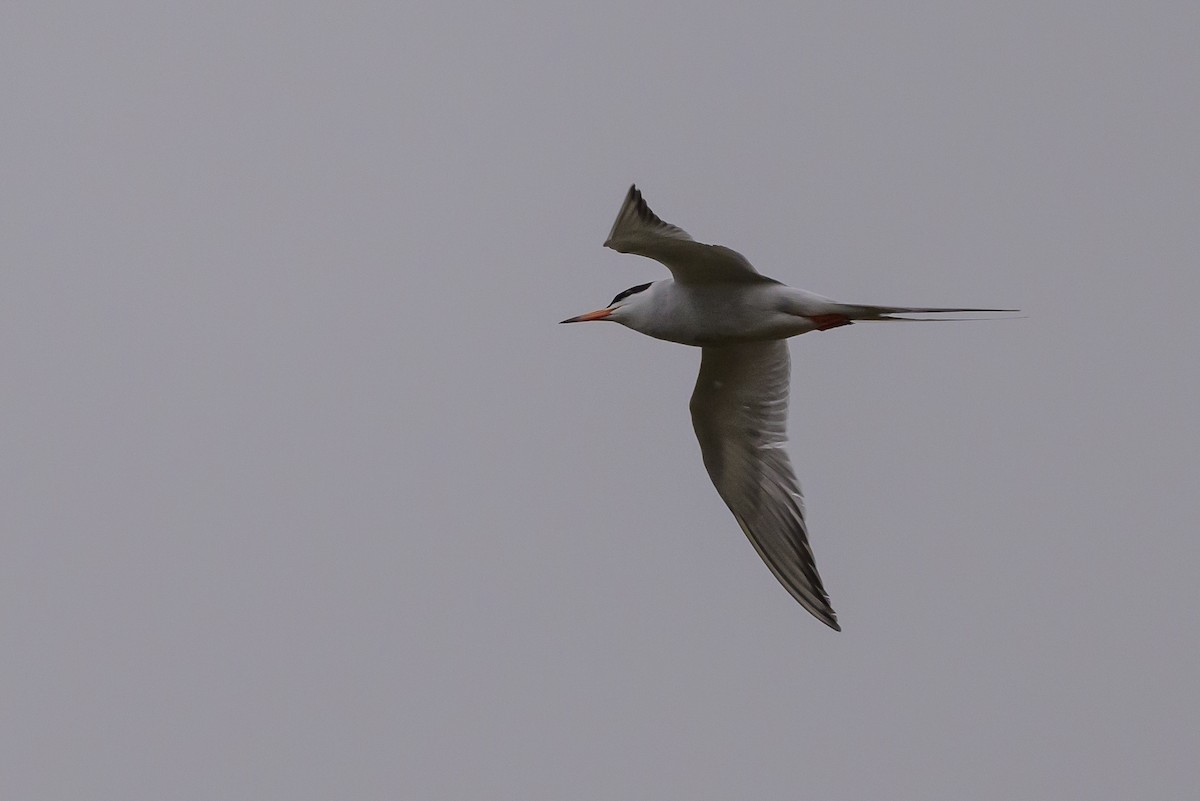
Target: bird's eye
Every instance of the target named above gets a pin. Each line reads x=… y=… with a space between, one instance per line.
x=633 y=290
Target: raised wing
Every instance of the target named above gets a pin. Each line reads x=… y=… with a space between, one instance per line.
x=739 y=411
x=639 y=230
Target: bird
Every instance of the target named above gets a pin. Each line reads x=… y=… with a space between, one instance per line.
x=741 y=320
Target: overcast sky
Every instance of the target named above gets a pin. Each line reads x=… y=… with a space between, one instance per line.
x=305 y=495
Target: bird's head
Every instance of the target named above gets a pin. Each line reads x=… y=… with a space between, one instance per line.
x=623 y=309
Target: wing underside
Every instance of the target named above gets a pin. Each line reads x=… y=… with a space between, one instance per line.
x=739 y=411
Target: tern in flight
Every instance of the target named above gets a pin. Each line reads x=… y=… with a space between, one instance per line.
x=717 y=301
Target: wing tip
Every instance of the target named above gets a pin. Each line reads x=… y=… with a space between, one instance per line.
x=824 y=613
x=641 y=209
x=634 y=206
x=810 y=593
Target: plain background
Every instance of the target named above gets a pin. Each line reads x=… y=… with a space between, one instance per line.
x=304 y=495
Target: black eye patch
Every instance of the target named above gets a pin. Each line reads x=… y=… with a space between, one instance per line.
x=633 y=290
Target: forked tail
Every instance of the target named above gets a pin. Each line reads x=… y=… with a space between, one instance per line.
x=835 y=315
x=858 y=313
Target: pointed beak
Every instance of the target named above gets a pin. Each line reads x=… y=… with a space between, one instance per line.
x=599 y=314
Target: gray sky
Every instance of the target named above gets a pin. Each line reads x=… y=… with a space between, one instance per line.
x=305 y=495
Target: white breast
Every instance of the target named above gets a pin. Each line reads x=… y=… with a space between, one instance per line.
x=716 y=313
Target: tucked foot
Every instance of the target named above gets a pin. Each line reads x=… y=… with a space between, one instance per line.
x=824 y=322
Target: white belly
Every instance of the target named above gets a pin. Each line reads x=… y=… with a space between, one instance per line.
x=720 y=314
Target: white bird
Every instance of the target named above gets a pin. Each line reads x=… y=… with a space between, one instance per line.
x=717 y=301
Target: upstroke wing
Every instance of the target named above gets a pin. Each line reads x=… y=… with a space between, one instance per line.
x=639 y=230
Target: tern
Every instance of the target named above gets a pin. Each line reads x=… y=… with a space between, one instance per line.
x=717 y=301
